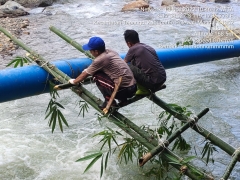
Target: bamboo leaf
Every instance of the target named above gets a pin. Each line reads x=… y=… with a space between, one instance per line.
x=172 y=158
x=16 y=64
x=101 y=167
x=59 y=121
x=58 y=104
x=63 y=118
x=54 y=115
x=9 y=64
x=106 y=160
x=89 y=157
x=92 y=162
x=21 y=62
x=188 y=159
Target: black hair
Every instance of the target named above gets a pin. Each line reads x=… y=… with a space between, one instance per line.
x=131 y=36
x=101 y=49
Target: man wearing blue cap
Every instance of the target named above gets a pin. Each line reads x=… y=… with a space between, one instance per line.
x=106 y=69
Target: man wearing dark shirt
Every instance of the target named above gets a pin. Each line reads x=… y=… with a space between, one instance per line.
x=144 y=63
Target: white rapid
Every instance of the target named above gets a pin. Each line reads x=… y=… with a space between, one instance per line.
x=28 y=148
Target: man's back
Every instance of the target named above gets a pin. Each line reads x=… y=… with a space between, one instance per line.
x=145 y=58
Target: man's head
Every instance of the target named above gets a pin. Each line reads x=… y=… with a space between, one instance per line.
x=95 y=45
x=131 y=37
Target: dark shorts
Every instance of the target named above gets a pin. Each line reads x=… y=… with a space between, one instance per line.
x=144 y=79
x=106 y=86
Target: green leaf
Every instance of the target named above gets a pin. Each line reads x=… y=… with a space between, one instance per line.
x=89 y=156
x=59 y=105
x=106 y=161
x=101 y=167
x=13 y=61
x=188 y=159
x=63 y=118
x=54 y=116
x=92 y=162
x=59 y=121
x=16 y=64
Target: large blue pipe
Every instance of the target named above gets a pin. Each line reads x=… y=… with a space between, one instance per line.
x=31 y=80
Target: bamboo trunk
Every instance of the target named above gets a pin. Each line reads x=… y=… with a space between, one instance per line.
x=170 y=139
x=70 y=41
x=91 y=99
x=207 y=134
x=231 y=165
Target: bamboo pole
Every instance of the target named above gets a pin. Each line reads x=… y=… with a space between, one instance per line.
x=207 y=134
x=87 y=96
x=70 y=41
x=170 y=139
x=215 y=17
x=230 y=167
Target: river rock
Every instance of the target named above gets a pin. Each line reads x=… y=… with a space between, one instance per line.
x=11 y=5
x=220 y=1
x=35 y=3
x=140 y=4
x=169 y=2
x=12 y=9
x=2 y=2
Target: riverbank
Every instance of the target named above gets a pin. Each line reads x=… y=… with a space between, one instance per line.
x=17 y=27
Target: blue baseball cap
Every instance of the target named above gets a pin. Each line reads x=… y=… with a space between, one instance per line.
x=95 y=43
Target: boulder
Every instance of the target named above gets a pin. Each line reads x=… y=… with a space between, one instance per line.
x=220 y=1
x=139 y=4
x=12 y=13
x=12 y=9
x=169 y=2
x=35 y=3
x=2 y=2
x=11 y=5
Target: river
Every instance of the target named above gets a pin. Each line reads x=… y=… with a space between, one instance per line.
x=28 y=148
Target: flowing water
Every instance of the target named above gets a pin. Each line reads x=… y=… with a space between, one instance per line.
x=28 y=148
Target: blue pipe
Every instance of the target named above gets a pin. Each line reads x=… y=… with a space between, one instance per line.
x=31 y=80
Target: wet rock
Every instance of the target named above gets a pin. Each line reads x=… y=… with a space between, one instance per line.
x=2 y=2
x=140 y=4
x=12 y=9
x=12 y=13
x=220 y=1
x=169 y=2
x=35 y=3
x=11 y=5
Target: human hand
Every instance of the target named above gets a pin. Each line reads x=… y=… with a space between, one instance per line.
x=71 y=81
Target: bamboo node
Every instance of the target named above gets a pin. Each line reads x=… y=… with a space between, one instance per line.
x=208 y=135
x=236 y=152
x=44 y=64
x=183 y=169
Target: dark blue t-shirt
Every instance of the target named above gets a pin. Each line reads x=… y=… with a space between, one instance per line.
x=146 y=59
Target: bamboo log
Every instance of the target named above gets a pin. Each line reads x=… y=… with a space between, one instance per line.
x=207 y=134
x=170 y=139
x=168 y=108
x=70 y=41
x=230 y=167
x=87 y=96
x=215 y=17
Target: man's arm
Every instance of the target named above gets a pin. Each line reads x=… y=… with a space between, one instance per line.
x=80 y=78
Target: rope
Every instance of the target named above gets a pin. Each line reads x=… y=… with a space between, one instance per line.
x=161 y=143
x=44 y=64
